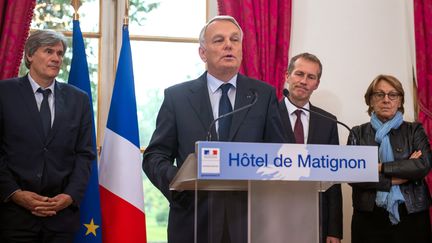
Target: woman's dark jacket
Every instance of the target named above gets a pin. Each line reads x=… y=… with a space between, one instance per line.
x=409 y=137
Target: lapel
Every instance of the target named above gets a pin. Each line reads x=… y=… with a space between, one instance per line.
x=242 y=98
x=314 y=123
x=29 y=99
x=200 y=103
x=286 y=122
x=60 y=108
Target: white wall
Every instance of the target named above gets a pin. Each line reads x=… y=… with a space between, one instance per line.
x=355 y=40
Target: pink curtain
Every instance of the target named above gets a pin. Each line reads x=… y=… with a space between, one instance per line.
x=15 y=18
x=267 y=26
x=423 y=41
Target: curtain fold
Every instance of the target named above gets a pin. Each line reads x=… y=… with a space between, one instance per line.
x=267 y=26
x=423 y=42
x=15 y=19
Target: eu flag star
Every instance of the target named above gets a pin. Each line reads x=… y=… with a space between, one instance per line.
x=91 y=228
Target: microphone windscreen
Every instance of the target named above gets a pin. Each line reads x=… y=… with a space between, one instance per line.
x=285 y=92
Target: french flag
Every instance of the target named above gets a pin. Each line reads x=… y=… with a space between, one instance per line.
x=120 y=176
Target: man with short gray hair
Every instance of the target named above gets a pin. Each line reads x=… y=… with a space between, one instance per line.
x=184 y=118
x=45 y=147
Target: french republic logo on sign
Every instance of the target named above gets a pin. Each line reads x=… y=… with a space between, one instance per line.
x=210 y=161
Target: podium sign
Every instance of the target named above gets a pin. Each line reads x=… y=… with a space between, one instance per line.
x=282 y=182
x=286 y=162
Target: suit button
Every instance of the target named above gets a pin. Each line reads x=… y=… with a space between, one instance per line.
x=45 y=149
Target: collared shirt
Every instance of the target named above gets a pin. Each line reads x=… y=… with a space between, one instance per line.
x=39 y=96
x=305 y=116
x=215 y=93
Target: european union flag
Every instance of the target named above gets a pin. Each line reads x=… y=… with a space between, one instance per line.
x=90 y=230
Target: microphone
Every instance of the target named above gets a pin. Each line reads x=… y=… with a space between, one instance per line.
x=253 y=94
x=353 y=138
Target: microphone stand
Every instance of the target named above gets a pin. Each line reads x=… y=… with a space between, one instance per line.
x=212 y=124
x=353 y=137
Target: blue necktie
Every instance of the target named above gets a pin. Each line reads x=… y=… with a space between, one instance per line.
x=45 y=111
x=224 y=107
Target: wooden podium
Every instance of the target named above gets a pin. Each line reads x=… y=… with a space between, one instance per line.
x=281 y=207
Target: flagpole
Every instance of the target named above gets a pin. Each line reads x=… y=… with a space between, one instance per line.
x=126 y=17
x=76 y=4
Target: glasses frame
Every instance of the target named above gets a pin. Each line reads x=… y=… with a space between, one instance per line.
x=393 y=95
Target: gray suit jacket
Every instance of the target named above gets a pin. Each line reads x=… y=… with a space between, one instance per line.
x=183 y=119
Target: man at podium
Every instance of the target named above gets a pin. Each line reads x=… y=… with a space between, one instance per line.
x=185 y=117
x=302 y=124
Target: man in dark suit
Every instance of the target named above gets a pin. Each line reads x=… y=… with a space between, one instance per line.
x=303 y=77
x=184 y=118
x=45 y=147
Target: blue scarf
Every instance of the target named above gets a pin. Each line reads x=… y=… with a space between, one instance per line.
x=388 y=200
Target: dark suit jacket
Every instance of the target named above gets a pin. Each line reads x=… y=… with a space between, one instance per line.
x=58 y=164
x=183 y=119
x=321 y=131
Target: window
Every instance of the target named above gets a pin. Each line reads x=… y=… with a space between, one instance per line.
x=164 y=42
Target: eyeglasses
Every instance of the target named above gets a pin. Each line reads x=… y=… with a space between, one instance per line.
x=382 y=95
